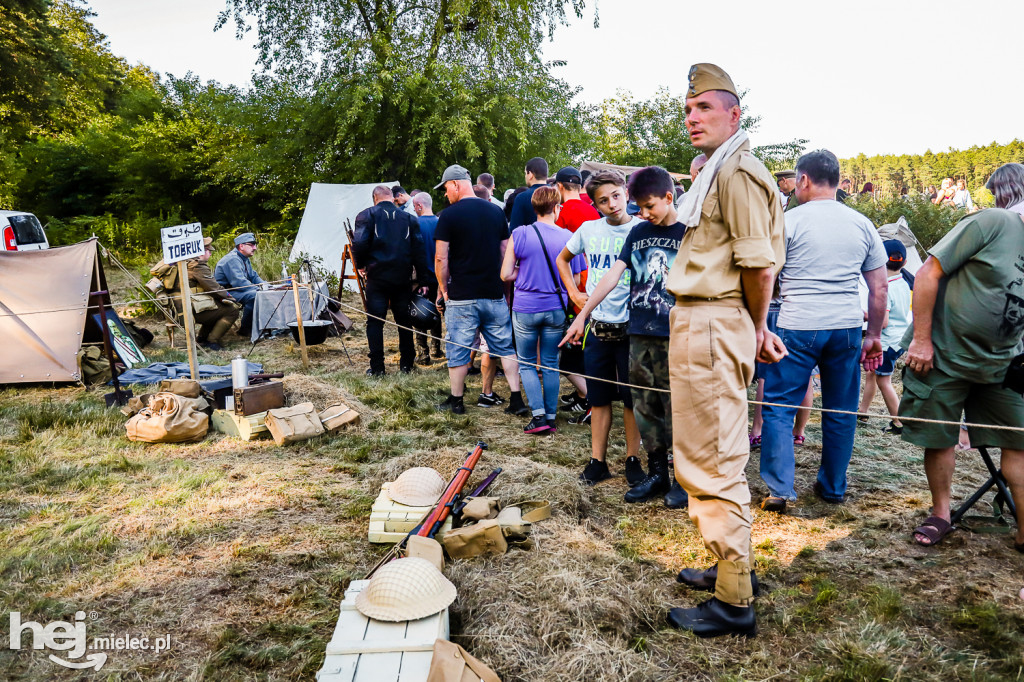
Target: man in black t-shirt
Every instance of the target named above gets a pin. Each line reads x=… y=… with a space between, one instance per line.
x=648 y=252
x=471 y=239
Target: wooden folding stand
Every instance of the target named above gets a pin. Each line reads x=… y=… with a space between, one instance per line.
x=346 y=256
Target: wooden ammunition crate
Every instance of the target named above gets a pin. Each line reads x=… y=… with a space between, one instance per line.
x=365 y=650
x=246 y=428
x=390 y=522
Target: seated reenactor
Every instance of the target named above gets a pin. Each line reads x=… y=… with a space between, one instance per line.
x=233 y=271
x=215 y=320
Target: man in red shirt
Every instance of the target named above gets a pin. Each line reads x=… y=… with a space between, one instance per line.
x=574 y=213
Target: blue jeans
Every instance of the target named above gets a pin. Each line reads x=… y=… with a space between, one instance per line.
x=546 y=329
x=462 y=320
x=837 y=354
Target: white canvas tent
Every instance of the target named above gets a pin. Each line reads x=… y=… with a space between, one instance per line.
x=322 y=230
x=44 y=299
x=898 y=230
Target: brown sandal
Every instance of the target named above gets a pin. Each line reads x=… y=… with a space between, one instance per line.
x=934 y=529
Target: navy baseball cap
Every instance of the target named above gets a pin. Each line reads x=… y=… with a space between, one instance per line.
x=896 y=251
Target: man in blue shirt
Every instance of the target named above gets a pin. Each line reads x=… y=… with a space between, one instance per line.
x=235 y=270
x=522 y=209
x=423 y=203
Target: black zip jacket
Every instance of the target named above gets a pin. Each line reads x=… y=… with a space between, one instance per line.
x=388 y=244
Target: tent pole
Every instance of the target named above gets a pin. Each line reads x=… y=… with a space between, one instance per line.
x=117 y=397
x=298 y=319
x=186 y=311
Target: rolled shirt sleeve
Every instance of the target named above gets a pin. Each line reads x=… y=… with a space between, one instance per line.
x=745 y=212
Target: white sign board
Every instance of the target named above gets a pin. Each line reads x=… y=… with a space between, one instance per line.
x=182 y=242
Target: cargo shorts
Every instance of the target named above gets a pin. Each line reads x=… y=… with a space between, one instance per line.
x=938 y=395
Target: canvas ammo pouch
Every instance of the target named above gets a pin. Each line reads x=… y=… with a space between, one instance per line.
x=186 y=388
x=609 y=331
x=484 y=537
x=480 y=508
x=292 y=424
x=168 y=274
x=452 y=663
x=338 y=416
x=202 y=301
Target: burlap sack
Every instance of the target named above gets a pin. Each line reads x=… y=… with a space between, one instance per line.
x=292 y=424
x=452 y=663
x=169 y=418
x=186 y=388
x=484 y=537
x=480 y=508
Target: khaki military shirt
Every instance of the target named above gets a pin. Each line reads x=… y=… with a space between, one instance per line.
x=741 y=227
x=199 y=275
x=791 y=201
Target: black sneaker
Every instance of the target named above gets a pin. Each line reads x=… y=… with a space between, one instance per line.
x=893 y=429
x=569 y=398
x=551 y=425
x=578 y=405
x=375 y=372
x=454 y=404
x=634 y=471
x=595 y=472
x=517 y=407
x=581 y=418
x=491 y=400
x=537 y=426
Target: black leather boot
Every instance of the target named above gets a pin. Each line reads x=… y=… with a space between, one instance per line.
x=655 y=484
x=676 y=497
x=715 y=618
x=705 y=579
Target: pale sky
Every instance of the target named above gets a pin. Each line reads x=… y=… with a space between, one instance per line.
x=872 y=76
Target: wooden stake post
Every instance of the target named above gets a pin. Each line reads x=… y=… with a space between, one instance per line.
x=186 y=311
x=298 y=319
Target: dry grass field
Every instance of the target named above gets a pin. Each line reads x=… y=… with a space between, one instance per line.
x=241 y=551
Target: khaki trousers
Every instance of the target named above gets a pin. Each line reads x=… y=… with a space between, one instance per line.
x=711 y=363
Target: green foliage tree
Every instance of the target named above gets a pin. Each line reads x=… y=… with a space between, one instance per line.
x=401 y=89
x=635 y=132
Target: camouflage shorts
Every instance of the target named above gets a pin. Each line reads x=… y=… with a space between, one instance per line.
x=648 y=366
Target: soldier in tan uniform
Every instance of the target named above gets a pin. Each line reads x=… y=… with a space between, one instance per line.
x=722 y=280
x=786 y=180
x=215 y=311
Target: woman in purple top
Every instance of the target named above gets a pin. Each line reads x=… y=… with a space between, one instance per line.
x=538 y=307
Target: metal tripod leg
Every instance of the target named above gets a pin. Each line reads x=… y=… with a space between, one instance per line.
x=996 y=480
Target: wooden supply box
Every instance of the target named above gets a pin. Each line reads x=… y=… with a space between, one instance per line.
x=390 y=522
x=366 y=650
x=259 y=398
x=247 y=428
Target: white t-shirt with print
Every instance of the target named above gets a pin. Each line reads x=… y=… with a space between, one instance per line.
x=602 y=242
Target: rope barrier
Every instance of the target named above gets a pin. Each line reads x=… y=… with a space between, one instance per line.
x=821 y=410
x=125 y=303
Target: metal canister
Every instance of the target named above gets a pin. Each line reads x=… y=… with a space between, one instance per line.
x=239 y=372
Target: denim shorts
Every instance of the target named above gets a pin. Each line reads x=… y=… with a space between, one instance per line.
x=464 y=318
x=889 y=358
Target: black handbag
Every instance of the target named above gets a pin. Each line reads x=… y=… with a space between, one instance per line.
x=569 y=314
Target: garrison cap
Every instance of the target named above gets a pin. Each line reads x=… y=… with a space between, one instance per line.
x=788 y=173
x=245 y=238
x=704 y=77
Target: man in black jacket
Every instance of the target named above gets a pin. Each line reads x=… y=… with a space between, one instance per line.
x=387 y=244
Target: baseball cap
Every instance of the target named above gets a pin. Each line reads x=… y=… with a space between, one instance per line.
x=569 y=174
x=896 y=251
x=453 y=172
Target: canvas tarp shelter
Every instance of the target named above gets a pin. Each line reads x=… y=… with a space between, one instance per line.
x=594 y=166
x=44 y=297
x=322 y=230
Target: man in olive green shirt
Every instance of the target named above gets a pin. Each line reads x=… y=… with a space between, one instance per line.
x=968 y=322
